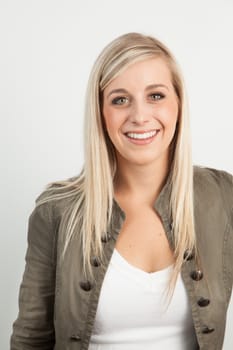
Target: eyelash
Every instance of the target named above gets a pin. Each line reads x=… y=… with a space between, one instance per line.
x=116 y=99
x=161 y=96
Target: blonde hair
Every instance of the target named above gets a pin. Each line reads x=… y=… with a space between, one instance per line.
x=93 y=190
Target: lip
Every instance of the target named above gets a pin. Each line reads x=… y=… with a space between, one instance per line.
x=142 y=141
x=140 y=131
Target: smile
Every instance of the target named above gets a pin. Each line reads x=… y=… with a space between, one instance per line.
x=141 y=135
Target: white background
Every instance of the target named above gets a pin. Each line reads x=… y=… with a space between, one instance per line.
x=47 y=49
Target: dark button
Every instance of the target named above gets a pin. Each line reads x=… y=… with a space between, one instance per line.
x=75 y=337
x=188 y=255
x=87 y=286
x=106 y=238
x=207 y=330
x=203 y=302
x=95 y=261
x=196 y=275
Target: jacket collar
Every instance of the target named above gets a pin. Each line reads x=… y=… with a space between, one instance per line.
x=161 y=206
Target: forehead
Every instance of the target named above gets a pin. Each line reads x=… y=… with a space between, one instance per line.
x=146 y=72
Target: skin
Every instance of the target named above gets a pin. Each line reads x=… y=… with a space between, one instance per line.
x=141 y=99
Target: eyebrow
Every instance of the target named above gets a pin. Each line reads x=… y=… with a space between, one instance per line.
x=149 y=87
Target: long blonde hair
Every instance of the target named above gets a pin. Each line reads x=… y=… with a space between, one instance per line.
x=93 y=190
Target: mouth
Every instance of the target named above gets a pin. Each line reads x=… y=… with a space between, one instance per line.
x=142 y=135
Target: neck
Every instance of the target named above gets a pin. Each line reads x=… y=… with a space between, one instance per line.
x=142 y=183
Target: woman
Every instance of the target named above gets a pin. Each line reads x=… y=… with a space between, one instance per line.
x=135 y=252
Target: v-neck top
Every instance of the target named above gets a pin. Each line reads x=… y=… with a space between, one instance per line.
x=133 y=312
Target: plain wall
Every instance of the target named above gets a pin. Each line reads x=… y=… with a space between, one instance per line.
x=47 y=49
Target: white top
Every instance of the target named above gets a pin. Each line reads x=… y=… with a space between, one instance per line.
x=133 y=314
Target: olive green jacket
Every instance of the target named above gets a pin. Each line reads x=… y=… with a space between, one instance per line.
x=57 y=305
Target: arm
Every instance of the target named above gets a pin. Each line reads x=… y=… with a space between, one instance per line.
x=33 y=328
x=227 y=190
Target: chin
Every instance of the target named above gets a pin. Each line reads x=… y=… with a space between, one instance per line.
x=142 y=158
x=143 y=161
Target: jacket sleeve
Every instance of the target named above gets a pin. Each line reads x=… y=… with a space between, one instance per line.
x=228 y=193
x=34 y=328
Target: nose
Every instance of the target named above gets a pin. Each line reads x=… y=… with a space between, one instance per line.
x=140 y=113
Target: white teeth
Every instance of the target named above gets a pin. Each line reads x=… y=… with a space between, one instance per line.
x=140 y=136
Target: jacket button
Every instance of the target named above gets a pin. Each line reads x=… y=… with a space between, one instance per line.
x=106 y=238
x=87 y=286
x=207 y=330
x=95 y=261
x=196 y=275
x=75 y=337
x=188 y=255
x=203 y=302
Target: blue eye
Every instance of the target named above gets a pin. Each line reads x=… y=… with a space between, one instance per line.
x=119 y=100
x=156 y=97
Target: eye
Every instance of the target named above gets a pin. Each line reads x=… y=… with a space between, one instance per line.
x=157 y=96
x=119 y=100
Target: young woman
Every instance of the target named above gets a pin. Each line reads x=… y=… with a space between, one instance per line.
x=136 y=252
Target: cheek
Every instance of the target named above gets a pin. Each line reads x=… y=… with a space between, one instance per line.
x=113 y=120
x=109 y=120
x=170 y=114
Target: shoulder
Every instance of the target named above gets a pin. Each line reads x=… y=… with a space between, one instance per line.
x=212 y=177
x=213 y=185
x=58 y=197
